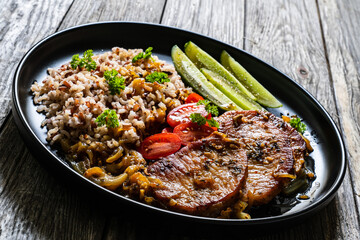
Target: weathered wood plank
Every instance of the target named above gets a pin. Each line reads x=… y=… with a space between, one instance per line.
x=341 y=24
x=222 y=20
x=22 y=24
x=287 y=34
x=33 y=204
x=278 y=34
x=26 y=188
x=83 y=12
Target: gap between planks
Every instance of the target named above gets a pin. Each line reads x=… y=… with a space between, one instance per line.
x=340 y=123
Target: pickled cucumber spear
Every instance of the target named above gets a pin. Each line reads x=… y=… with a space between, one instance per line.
x=263 y=96
x=193 y=77
x=203 y=60
x=220 y=83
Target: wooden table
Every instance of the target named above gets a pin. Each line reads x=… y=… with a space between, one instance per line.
x=315 y=42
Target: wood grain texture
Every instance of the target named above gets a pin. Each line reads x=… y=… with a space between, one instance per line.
x=341 y=24
x=33 y=204
x=22 y=24
x=222 y=20
x=83 y=12
x=287 y=34
x=278 y=33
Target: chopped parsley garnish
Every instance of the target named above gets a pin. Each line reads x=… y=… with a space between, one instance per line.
x=116 y=83
x=86 y=61
x=143 y=55
x=108 y=118
x=212 y=122
x=298 y=125
x=75 y=61
x=197 y=118
x=203 y=102
x=211 y=109
x=159 y=77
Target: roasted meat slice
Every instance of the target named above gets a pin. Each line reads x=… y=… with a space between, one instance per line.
x=202 y=178
x=274 y=150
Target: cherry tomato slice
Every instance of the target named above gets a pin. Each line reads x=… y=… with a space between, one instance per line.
x=189 y=132
x=193 y=98
x=167 y=130
x=182 y=113
x=160 y=145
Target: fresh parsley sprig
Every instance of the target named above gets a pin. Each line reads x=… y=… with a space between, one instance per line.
x=116 y=83
x=159 y=77
x=108 y=118
x=212 y=122
x=143 y=55
x=75 y=61
x=197 y=118
x=298 y=125
x=210 y=109
x=86 y=61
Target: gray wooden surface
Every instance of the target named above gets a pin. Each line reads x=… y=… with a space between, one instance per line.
x=315 y=42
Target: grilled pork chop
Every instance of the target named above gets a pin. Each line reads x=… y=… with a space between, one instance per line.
x=273 y=149
x=202 y=178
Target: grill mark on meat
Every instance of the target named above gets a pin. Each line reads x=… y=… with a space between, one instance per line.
x=202 y=178
x=273 y=149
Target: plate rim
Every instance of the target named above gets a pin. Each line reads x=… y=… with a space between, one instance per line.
x=315 y=206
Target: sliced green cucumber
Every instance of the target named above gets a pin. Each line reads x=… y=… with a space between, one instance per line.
x=263 y=96
x=203 y=60
x=193 y=77
x=239 y=98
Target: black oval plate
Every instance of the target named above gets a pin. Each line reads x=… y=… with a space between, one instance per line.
x=53 y=51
